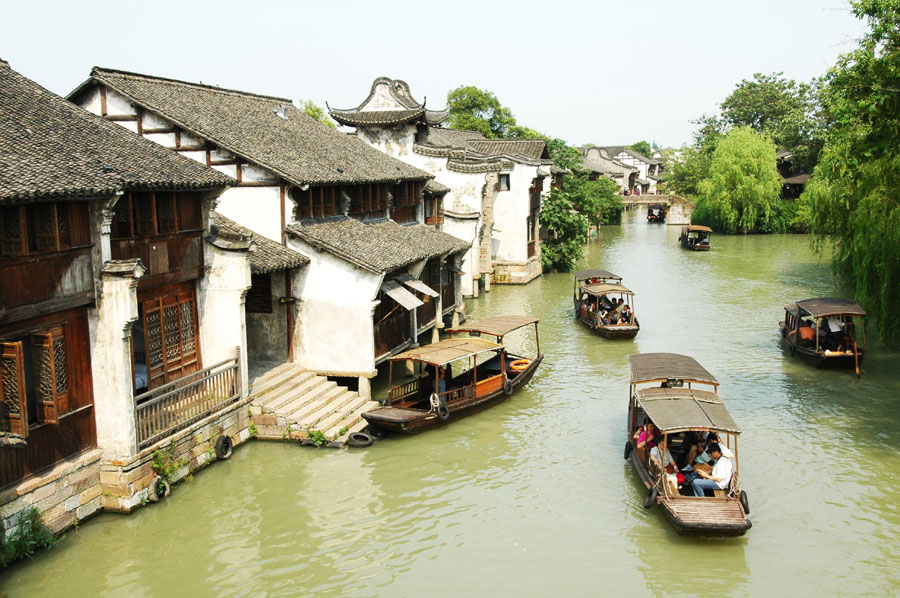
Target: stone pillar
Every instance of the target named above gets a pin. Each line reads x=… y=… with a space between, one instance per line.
x=365 y=388
x=114 y=407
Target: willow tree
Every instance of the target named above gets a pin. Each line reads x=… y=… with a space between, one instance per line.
x=853 y=197
x=741 y=192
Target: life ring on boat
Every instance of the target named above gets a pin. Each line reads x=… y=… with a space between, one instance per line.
x=360 y=439
x=650 y=497
x=159 y=489
x=443 y=411
x=507 y=385
x=627 y=449
x=519 y=365
x=224 y=447
x=745 y=502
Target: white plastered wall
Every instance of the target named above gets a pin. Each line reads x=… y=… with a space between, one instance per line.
x=335 y=306
x=511 y=210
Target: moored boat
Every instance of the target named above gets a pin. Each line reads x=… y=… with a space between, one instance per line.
x=680 y=412
x=822 y=332
x=695 y=237
x=455 y=377
x=597 y=298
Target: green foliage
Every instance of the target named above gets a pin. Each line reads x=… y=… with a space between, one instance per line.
x=642 y=147
x=851 y=198
x=252 y=430
x=473 y=109
x=567 y=231
x=316 y=112
x=342 y=431
x=784 y=110
x=564 y=155
x=30 y=536
x=743 y=184
x=598 y=201
x=685 y=170
x=165 y=463
x=317 y=437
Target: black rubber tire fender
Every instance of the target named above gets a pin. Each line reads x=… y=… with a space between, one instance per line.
x=443 y=411
x=507 y=385
x=360 y=439
x=159 y=489
x=627 y=449
x=745 y=502
x=224 y=447
x=650 y=497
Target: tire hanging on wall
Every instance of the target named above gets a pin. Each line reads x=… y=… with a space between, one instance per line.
x=159 y=489
x=224 y=447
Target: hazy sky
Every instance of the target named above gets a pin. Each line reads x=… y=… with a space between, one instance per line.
x=602 y=72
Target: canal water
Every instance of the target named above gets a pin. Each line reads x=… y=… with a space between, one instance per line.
x=533 y=496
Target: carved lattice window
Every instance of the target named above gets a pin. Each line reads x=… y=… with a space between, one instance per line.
x=170 y=329
x=51 y=378
x=13 y=410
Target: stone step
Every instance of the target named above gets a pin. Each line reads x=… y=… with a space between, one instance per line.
x=353 y=421
x=303 y=386
x=328 y=405
x=342 y=439
x=313 y=404
x=269 y=396
x=337 y=413
x=303 y=396
x=273 y=378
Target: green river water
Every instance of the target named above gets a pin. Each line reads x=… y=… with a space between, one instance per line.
x=533 y=497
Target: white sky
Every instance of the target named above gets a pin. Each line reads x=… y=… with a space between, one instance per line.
x=603 y=72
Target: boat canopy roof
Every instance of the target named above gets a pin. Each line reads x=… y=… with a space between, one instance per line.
x=448 y=350
x=691 y=228
x=498 y=326
x=586 y=274
x=828 y=306
x=680 y=409
x=602 y=288
x=650 y=367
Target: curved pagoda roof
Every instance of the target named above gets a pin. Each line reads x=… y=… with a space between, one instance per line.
x=389 y=103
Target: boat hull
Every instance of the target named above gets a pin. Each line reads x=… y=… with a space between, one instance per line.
x=820 y=359
x=408 y=420
x=613 y=331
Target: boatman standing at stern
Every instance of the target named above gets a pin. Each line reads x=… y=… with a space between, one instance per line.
x=720 y=476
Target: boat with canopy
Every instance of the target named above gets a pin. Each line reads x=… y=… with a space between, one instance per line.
x=604 y=305
x=455 y=377
x=822 y=332
x=680 y=398
x=695 y=237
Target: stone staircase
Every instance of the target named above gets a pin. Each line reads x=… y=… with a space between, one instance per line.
x=289 y=402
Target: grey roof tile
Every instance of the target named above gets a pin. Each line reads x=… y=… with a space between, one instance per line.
x=52 y=149
x=269 y=255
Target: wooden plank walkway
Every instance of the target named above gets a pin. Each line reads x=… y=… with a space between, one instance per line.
x=302 y=404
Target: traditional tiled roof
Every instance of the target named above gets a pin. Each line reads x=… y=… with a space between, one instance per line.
x=380 y=246
x=800 y=179
x=530 y=149
x=411 y=111
x=269 y=255
x=615 y=150
x=454 y=138
x=296 y=147
x=52 y=149
x=554 y=169
x=435 y=188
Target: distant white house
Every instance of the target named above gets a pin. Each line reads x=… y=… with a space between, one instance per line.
x=494 y=186
x=648 y=171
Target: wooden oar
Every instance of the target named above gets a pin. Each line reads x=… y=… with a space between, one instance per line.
x=856 y=357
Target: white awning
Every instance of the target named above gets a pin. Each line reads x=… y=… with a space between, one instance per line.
x=396 y=292
x=416 y=284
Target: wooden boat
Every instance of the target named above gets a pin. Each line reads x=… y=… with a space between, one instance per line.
x=656 y=212
x=593 y=291
x=695 y=237
x=677 y=407
x=480 y=374
x=832 y=340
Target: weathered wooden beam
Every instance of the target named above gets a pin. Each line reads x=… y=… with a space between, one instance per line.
x=34 y=310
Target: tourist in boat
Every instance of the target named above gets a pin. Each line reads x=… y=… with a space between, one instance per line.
x=627 y=315
x=720 y=476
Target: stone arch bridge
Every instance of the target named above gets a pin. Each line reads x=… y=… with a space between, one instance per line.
x=679 y=208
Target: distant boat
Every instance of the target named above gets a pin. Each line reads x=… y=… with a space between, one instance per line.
x=822 y=332
x=479 y=374
x=593 y=295
x=676 y=407
x=695 y=237
x=656 y=212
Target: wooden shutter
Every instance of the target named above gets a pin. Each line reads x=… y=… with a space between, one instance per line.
x=12 y=389
x=51 y=375
x=12 y=227
x=170 y=329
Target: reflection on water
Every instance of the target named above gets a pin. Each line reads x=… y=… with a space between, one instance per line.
x=533 y=496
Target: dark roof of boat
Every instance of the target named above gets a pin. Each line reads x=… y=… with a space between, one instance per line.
x=697 y=227
x=829 y=306
x=649 y=367
x=448 y=350
x=499 y=326
x=676 y=409
x=585 y=274
x=601 y=288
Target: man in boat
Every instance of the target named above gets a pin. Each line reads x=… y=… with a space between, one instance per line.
x=720 y=476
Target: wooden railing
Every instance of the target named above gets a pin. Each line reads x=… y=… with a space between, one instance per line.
x=178 y=404
x=457 y=394
x=404 y=390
